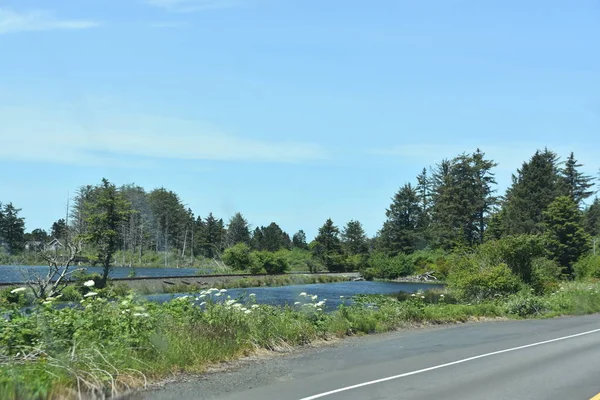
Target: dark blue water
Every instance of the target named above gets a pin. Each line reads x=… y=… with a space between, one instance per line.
x=288 y=295
x=12 y=273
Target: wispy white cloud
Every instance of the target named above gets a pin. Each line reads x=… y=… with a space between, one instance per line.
x=188 y=6
x=37 y=20
x=168 y=24
x=59 y=137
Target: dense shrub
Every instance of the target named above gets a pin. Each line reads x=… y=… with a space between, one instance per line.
x=545 y=275
x=525 y=305
x=237 y=257
x=517 y=252
x=269 y=262
x=588 y=267
x=380 y=265
x=485 y=284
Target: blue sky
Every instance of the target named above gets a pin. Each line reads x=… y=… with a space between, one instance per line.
x=287 y=111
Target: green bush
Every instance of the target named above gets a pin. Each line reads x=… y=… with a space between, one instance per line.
x=237 y=257
x=485 y=284
x=271 y=263
x=13 y=296
x=587 y=267
x=380 y=265
x=517 y=252
x=525 y=305
x=545 y=275
x=71 y=293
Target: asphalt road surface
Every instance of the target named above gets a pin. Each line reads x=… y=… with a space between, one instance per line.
x=538 y=359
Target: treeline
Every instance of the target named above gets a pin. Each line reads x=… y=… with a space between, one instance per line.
x=450 y=207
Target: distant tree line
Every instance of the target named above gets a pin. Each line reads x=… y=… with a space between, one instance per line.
x=452 y=206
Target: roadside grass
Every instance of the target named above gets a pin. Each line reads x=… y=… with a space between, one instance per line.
x=109 y=347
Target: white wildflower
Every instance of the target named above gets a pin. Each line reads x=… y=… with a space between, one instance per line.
x=303 y=294
x=183 y=297
x=315 y=297
x=413 y=295
x=253 y=306
x=320 y=304
x=247 y=312
x=297 y=303
x=18 y=290
x=201 y=296
x=89 y=283
x=223 y=290
x=217 y=294
x=203 y=303
x=341 y=297
x=47 y=302
x=244 y=309
x=422 y=297
x=230 y=302
x=137 y=314
x=237 y=305
x=319 y=309
x=252 y=295
x=90 y=294
x=441 y=295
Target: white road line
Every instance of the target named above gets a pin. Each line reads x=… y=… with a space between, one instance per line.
x=389 y=378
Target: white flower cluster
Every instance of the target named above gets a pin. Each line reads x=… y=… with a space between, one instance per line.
x=317 y=305
x=229 y=304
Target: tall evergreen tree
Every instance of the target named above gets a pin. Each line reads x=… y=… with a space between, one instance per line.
x=12 y=229
x=257 y=239
x=424 y=192
x=238 y=231
x=463 y=200
x=536 y=184
x=214 y=236
x=578 y=185
x=104 y=218
x=400 y=232
x=274 y=238
x=564 y=235
x=299 y=240
x=169 y=218
x=354 y=239
x=327 y=247
x=592 y=218
x=59 y=229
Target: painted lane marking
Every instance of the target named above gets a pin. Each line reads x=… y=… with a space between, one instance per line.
x=420 y=371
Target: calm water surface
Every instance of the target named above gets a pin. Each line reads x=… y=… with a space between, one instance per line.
x=12 y=273
x=287 y=295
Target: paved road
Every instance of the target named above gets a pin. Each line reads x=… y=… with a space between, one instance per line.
x=556 y=364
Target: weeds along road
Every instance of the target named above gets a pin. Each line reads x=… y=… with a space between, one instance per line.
x=534 y=359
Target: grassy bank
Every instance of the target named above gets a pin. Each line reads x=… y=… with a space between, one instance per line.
x=260 y=281
x=107 y=347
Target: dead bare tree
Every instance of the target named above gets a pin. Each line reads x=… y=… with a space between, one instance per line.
x=59 y=269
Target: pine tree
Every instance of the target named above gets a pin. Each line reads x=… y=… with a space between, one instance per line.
x=238 y=231
x=299 y=240
x=327 y=247
x=577 y=184
x=536 y=185
x=424 y=192
x=257 y=239
x=592 y=218
x=354 y=239
x=274 y=238
x=12 y=229
x=400 y=232
x=59 y=229
x=564 y=235
x=213 y=236
x=463 y=200
x=104 y=217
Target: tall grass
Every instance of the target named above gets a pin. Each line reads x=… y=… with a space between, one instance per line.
x=108 y=347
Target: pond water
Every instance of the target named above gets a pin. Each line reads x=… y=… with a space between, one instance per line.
x=20 y=273
x=287 y=295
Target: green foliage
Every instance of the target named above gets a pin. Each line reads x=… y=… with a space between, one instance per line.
x=518 y=252
x=300 y=260
x=477 y=285
x=237 y=257
x=104 y=217
x=381 y=265
x=578 y=185
x=354 y=239
x=565 y=239
x=238 y=231
x=269 y=262
x=592 y=218
x=299 y=240
x=526 y=305
x=401 y=230
x=545 y=275
x=536 y=185
x=71 y=293
x=12 y=229
x=587 y=267
x=327 y=247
